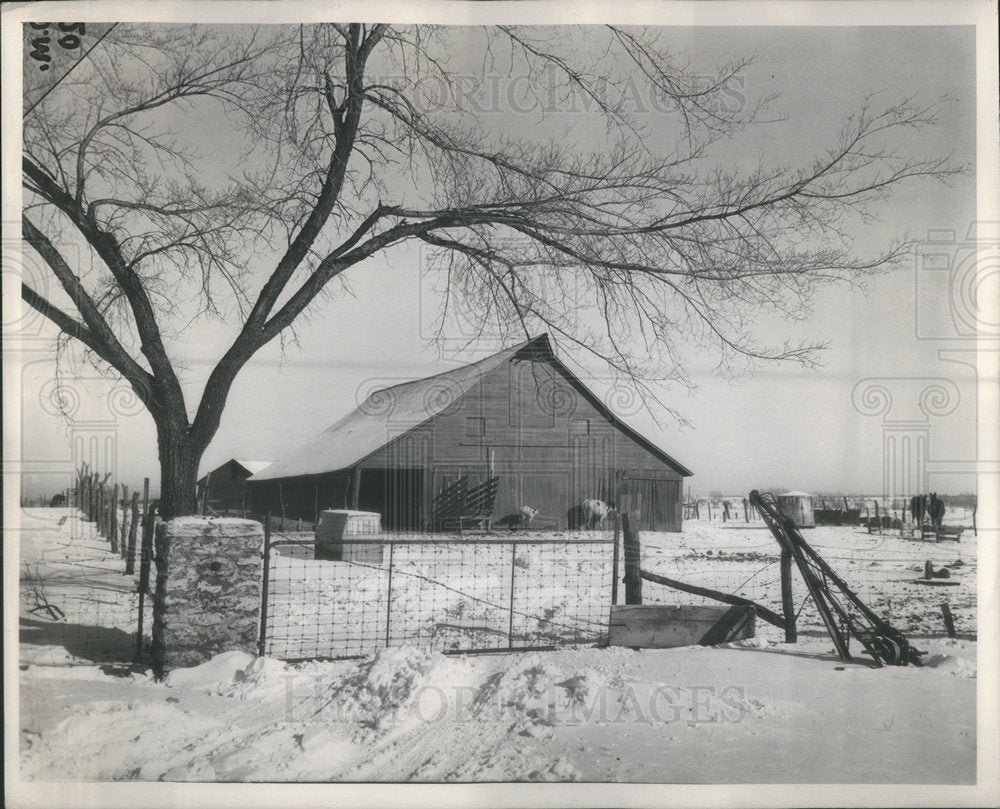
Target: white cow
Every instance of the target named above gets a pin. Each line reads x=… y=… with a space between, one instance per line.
x=527 y=515
x=594 y=512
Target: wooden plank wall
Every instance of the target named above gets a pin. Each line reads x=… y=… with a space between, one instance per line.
x=525 y=422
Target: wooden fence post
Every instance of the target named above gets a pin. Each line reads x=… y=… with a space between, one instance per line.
x=113 y=520
x=130 y=563
x=145 y=561
x=146 y=548
x=112 y=523
x=130 y=557
x=104 y=505
x=100 y=510
x=633 y=552
x=81 y=486
x=949 y=622
x=787 y=602
x=123 y=539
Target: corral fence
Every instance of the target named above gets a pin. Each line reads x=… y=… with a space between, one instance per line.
x=456 y=594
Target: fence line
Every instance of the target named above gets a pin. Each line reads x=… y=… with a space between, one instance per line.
x=127 y=525
x=456 y=594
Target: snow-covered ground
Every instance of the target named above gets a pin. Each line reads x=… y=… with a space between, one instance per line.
x=758 y=711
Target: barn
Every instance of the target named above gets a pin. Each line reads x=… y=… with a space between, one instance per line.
x=226 y=484
x=519 y=415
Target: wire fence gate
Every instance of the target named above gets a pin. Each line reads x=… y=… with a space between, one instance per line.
x=449 y=593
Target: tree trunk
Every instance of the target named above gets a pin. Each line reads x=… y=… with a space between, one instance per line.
x=179 y=459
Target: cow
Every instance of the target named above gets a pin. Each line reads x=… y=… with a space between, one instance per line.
x=918 y=505
x=527 y=515
x=595 y=511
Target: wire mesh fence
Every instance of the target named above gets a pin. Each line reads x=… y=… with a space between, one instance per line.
x=449 y=593
x=78 y=604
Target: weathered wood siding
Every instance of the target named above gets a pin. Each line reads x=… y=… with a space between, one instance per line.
x=225 y=486
x=551 y=447
x=301 y=495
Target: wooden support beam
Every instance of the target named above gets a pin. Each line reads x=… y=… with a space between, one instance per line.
x=787 y=603
x=766 y=614
x=356 y=476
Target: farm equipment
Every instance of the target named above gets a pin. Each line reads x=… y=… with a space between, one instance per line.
x=842 y=611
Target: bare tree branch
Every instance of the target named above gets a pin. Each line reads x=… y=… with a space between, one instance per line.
x=348 y=140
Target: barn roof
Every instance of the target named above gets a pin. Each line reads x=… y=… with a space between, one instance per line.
x=253 y=467
x=363 y=431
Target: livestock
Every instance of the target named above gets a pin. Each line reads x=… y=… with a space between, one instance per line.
x=935 y=507
x=595 y=511
x=930 y=505
x=527 y=515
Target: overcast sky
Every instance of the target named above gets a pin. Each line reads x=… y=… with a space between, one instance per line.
x=783 y=426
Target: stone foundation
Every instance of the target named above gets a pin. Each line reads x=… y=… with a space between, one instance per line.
x=208 y=589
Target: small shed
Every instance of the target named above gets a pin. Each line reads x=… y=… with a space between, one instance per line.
x=798 y=506
x=226 y=484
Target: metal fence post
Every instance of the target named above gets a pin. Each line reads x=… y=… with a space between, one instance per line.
x=614 y=562
x=388 y=597
x=262 y=643
x=513 y=568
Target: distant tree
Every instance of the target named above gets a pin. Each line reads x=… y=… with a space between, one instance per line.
x=359 y=138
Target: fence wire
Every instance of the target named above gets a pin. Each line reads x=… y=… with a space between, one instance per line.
x=77 y=604
x=449 y=593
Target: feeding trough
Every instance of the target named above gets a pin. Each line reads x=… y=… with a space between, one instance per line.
x=657 y=626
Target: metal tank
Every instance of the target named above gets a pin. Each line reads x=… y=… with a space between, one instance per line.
x=799 y=507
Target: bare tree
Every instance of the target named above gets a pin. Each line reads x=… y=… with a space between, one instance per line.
x=365 y=137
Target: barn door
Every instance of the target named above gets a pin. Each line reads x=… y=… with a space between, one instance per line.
x=659 y=498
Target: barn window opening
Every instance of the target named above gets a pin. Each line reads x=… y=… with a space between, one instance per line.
x=475 y=426
x=580 y=426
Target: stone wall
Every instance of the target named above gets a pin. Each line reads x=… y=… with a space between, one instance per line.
x=208 y=590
